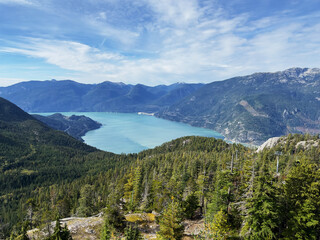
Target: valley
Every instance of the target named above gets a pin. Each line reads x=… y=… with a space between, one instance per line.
x=46 y=173
x=132 y=133
x=159 y=120
x=247 y=109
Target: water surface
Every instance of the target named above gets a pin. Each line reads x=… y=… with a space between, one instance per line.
x=132 y=133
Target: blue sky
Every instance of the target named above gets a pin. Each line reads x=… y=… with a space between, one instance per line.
x=155 y=41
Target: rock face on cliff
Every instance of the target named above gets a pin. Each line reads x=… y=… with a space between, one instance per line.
x=253 y=108
x=297 y=142
x=270 y=143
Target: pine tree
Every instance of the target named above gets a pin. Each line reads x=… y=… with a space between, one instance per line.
x=137 y=187
x=132 y=233
x=170 y=223
x=105 y=232
x=302 y=191
x=156 y=195
x=66 y=235
x=201 y=185
x=219 y=228
x=190 y=205
x=222 y=193
x=86 y=207
x=60 y=233
x=114 y=219
x=263 y=217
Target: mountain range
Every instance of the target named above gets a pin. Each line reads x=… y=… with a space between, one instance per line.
x=247 y=109
x=253 y=108
x=70 y=96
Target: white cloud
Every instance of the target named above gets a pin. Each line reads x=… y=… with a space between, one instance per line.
x=104 y=29
x=185 y=41
x=178 y=12
x=66 y=54
x=22 y=2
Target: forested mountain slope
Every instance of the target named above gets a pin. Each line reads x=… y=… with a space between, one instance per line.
x=273 y=194
x=253 y=108
x=75 y=126
x=70 y=96
x=33 y=155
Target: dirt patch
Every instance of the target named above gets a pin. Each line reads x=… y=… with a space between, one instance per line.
x=251 y=110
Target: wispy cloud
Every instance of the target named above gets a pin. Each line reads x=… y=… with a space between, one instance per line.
x=65 y=54
x=180 y=13
x=22 y=2
x=191 y=41
x=102 y=28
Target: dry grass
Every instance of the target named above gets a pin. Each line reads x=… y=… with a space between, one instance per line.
x=140 y=217
x=27 y=172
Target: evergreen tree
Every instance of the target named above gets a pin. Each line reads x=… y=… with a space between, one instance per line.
x=114 y=219
x=219 y=228
x=105 y=232
x=60 y=233
x=170 y=223
x=66 y=235
x=132 y=233
x=137 y=187
x=156 y=197
x=263 y=216
x=86 y=207
x=133 y=188
x=128 y=191
x=190 y=205
x=302 y=191
x=222 y=193
x=201 y=185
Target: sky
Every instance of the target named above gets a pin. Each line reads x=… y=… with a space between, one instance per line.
x=155 y=41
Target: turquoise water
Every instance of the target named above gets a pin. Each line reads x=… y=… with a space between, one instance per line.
x=132 y=133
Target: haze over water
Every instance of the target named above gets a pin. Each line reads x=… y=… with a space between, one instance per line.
x=132 y=133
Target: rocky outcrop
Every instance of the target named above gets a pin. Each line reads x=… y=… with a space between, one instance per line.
x=270 y=143
x=80 y=228
x=89 y=227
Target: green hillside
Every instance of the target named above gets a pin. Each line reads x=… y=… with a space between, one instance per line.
x=33 y=155
x=240 y=193
x=75 y=126
x=237 y=191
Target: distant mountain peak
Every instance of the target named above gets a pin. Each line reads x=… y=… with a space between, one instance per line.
x=297 y=72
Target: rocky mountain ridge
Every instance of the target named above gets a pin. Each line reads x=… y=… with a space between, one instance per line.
x=253 y=108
